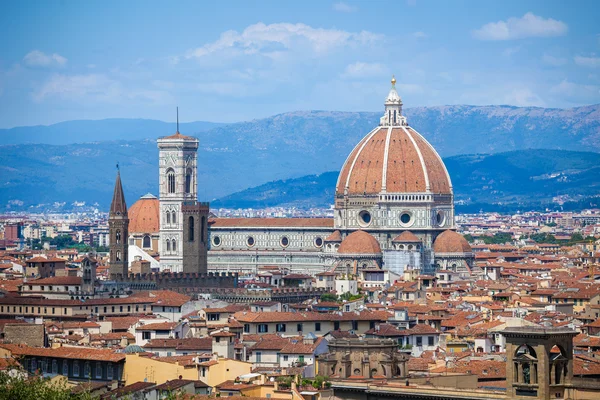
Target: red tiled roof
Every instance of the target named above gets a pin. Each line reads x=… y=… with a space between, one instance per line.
x=78 y=353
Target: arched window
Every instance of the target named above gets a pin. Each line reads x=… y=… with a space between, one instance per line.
x=174 y=245
x=394 y=117
x=191 y=229
x=173 y=217
x=118 y=237
x=170 y=181
x=168 y=217
x=147 y=243
x=86 y=369
x=202 y=228
x=168 y=245
x=188 y=181
x=118 y=256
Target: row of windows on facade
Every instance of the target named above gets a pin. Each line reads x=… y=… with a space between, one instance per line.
x=86 y=372
x=65 y=310
x=281 y=328
x=172 y=180
x=258 y=356
x=284 y=241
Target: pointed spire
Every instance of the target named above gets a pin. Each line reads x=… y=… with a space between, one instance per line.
x=118 y=205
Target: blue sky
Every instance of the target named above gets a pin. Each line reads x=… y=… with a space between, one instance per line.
x=239 y=60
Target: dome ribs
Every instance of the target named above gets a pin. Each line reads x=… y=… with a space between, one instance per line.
x=438 y=177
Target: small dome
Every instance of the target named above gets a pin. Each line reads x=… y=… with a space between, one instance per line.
x=451 y=242
x=144 y=215
x=407 y=237
x=133 y=348
x=359 y=242
x=336 y=236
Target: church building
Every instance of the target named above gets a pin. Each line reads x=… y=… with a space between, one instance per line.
x=393 y=209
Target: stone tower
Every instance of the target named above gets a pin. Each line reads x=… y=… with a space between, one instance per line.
x=177 y=186
x=118 y=226
x=194 y=242
x=539 y=362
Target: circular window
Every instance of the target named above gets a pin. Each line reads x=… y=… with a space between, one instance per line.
x=318 y=242
x=250 y=241
x=284 y=241
x=364 y=218
x=440 y=218
x=216 y=241
x=405 y=218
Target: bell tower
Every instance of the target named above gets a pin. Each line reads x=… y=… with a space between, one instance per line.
x=118 y=226
x=177 y=187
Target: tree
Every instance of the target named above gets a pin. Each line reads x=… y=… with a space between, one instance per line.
x=469 y=238
x=576 y=237
x=16 y=384
x=328 y=297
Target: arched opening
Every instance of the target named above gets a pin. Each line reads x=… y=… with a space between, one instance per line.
x=168 y=217
x=118 y=237
x=188 y=181
x=118 y=256
x=202 y=228
x=173 y=217
x=191 y=229
x=170 y=181
x=168 y=245
x=174 y=245
x=146 y=242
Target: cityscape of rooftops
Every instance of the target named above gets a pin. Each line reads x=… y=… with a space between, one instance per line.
x=319 y=200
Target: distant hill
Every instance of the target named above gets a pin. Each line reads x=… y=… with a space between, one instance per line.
x=70 y=132
x=237 y=156
x=512 y=180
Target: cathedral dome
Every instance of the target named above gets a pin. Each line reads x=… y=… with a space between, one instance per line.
x=144 y=215
x=359 y=242
x=451 y=242
x=393 y=158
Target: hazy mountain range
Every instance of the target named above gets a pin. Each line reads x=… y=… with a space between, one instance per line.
x=75 y=160
x=511 y=180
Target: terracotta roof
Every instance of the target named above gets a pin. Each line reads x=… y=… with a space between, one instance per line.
x=159 y=326
x=179 y=136
x=144 y=216
x=271 y=222
x=421 y=329
x=336 y=236
x=126 y=390
x=406 y=237
x=451 y=242
x=166 y=298
x=44 y=260
x=197 y=344
x=359 y=242
x=55 y=280
x=80 y=353
x=410 y=159
x=274 y=316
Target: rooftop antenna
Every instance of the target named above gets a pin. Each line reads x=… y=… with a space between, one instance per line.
x=177 y=119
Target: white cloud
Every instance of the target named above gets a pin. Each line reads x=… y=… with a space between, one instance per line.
x=590 y=62
x=577 y=92
x=36 y=58
x=523 y=97
x=554 y=61
x=363 y=70
x=510 y=51
x=94 y=87
x=410 y=88
x=420 y=35
x=343 y=7
x=273 y=39
x=529 y=25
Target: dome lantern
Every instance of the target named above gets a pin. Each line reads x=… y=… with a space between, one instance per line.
x=393 y=108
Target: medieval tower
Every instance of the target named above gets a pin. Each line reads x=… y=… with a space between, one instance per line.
x=118 y=225
x=183 y=221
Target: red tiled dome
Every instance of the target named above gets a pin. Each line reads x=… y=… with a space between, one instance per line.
x=359 y=242
x=451 y=242
x=397 y=157
x=406 y=237
x=144 y=215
